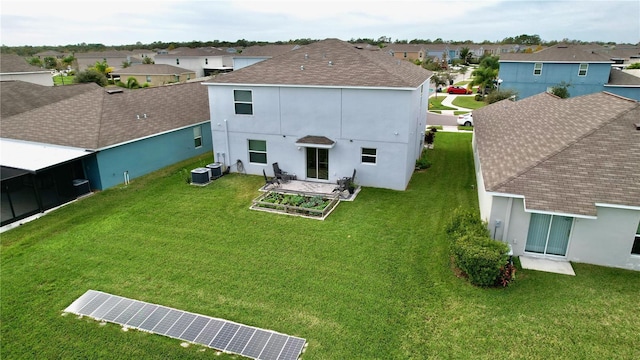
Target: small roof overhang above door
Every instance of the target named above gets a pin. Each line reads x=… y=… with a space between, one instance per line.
x=315 y=142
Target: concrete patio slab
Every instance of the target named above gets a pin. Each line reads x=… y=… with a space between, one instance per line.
x=553 y=266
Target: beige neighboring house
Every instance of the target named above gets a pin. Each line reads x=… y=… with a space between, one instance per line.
x=14 y=67
x=154 y=74
x=409 y=52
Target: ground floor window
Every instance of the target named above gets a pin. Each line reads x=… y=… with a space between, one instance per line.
x=369 y=155
x=197 y=136
x=636 y=243
x=258 y=151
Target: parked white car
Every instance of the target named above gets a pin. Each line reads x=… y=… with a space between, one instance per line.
x=466 y=119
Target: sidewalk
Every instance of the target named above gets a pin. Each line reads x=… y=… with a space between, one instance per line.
x=448 y=101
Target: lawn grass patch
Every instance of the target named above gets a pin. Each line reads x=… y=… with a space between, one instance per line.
x=372 y=281
x=468 y=102
x=436 y=104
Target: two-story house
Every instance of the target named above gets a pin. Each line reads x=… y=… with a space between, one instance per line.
x=322 y=111
x=203 y=61
x=584 y=71
x=410 y=52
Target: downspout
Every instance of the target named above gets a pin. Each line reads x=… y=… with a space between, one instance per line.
x=507 y=220
x=226 y=134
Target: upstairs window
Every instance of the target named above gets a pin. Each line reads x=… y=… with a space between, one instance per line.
x=369 y=156
x=582 y=71
x=537 y=69
x=243 y=102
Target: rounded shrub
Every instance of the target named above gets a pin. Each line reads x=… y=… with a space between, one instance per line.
x=480 y=258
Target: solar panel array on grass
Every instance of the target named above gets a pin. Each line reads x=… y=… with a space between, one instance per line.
x=219 y=334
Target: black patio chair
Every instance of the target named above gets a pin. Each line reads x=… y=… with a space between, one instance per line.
x=282 y=175
x=273 y=181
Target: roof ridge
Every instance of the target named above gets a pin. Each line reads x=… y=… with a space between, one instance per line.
x=570 y=143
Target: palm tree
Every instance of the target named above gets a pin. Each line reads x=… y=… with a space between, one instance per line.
x=486 y=73
x=465 y=55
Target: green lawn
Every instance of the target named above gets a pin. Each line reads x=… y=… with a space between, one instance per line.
x=435 y=102
x=372 y=281
x=468 y=102
x=63 y=80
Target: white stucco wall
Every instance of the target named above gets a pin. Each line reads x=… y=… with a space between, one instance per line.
x=605 y=241
x=244 y=61
x=384 y=119
x=39 y=78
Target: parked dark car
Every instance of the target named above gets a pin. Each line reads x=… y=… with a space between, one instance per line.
x=458 y=90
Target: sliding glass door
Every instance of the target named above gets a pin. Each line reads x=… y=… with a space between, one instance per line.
x=549 y=234
x=317 y=163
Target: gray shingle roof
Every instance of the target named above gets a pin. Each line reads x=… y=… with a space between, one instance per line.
x=96 y=119
x=558 y=53
x=619 y=77
x=20 y=96
x=151 y=69
x=11 y=63
x=332 y=63
x=562 y=155
x=268 y=50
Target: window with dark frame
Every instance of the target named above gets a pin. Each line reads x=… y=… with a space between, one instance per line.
x=369 y=155
x=243 y=102
x=582 y=71
x=537 y=69
x=635 y=249
x=197 y=136
x=258 y=151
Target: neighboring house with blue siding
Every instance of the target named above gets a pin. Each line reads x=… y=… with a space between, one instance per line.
x=322 y=111
x=585 y=71
x=125 y=133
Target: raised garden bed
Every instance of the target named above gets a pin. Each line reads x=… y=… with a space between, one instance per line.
x=310 y=206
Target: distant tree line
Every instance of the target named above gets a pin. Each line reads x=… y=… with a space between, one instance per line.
x=523 y=39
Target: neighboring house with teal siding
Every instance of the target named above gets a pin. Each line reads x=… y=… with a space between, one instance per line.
x=530 y=74
x=129 y=133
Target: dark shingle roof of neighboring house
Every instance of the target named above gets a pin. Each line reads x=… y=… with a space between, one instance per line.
x=151 y=69
x=20 y=96
x=331 y=63
x=98 y=119
x=102 y=54
x=558 y=53
x=562 y=155
x=619 y=77
x=268 y=50
x=197 y=52
x=11 y=63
